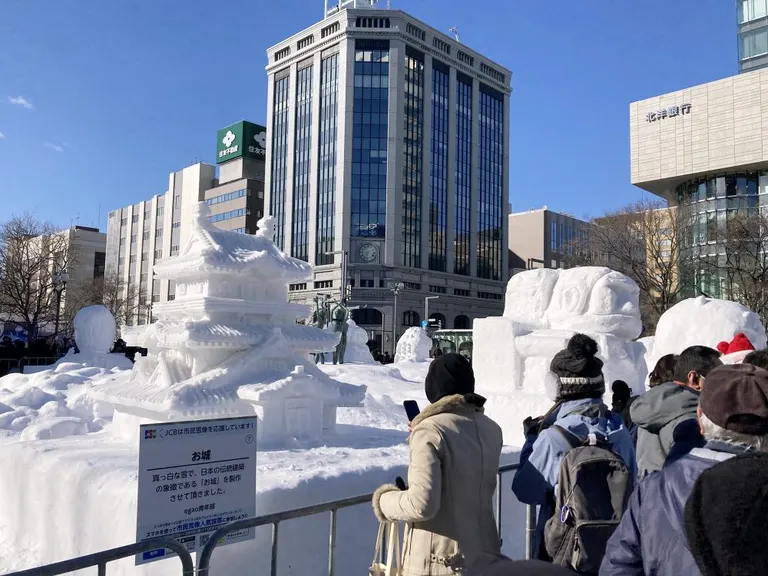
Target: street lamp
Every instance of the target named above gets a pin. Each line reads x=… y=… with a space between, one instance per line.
x=59 y=285
x=426 y=306
x=395 y=287
x=344 y=256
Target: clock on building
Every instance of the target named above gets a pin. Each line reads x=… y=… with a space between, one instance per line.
x=368 y=253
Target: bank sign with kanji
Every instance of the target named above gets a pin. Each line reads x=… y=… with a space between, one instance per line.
x=241 y=139
x=194 y=478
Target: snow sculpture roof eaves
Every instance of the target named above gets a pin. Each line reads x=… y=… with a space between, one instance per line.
x=211 y=249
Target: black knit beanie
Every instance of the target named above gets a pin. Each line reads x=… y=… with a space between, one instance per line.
x=449 y=374
x=726 y=516
x=579 y=371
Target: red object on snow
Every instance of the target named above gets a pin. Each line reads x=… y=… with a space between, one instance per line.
x=739 y=343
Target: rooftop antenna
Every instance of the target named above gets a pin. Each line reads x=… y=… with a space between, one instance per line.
x=455 y=31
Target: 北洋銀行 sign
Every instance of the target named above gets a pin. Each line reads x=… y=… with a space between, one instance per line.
x=670 y=112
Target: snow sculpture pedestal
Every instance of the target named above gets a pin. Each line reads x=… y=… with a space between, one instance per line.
x=706 y=322
x=413 y=346
x=229 y=344
x=543 y=309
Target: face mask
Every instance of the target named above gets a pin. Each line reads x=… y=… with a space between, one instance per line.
x=552 y=386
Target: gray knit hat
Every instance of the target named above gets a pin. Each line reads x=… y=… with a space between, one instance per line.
x=579 y=370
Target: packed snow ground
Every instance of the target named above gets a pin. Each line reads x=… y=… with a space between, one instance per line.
x=79 y=480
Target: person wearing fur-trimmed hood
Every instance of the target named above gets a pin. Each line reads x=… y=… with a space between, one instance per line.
x=576 y=384
x=447 y=507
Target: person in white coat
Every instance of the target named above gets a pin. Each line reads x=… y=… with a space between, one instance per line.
x=454 y=459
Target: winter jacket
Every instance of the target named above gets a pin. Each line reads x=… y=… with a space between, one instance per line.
x=657 y=414
x=448 y=506
x=650 y=540
x=492 y=565
x=542 y=454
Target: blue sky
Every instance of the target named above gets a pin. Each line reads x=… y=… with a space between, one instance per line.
x=99 y=101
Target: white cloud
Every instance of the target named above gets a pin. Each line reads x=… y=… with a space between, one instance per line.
x=2 y=136
x=54 y=147
x=20 y=101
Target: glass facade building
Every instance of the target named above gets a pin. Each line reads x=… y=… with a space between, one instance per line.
x=491 y=200
x=302 y=164
x=279 y=155
x=326 y=164
x=438 y=201
x=369 y=138
x=463 y=171
x=413 y=150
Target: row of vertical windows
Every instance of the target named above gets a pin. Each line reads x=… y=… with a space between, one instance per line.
x=438 y=202
x=279 y=157
x=229 y=215
x=227 y=197
x=369 y=140
x=301 y=165
x=413 y=149
x=463 y=172
x=491 y=185
x=326 y=177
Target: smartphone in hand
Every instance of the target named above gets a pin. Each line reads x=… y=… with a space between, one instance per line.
x=411 y=409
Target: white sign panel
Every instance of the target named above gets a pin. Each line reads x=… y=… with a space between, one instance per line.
x=194 y=478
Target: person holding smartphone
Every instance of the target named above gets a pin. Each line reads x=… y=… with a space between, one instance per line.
x=447 y=504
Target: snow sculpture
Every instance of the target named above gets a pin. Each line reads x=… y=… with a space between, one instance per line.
x=229 y=343
x=94 y=330
x=543 y=309
x=357 y=348
x=413 y=346
x=704 y=321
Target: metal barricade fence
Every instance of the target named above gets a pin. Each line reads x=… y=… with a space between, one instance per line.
x=204 y=557
x=100 y=559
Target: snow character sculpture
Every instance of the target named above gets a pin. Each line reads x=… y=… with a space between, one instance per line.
x=229 y=343
x=413 y=346
x=704 y=321
x=94 y=335
x=357 y=345
x=339 y=317
x=543 y=309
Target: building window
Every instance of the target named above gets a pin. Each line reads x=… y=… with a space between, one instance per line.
x=490 y=202
x=441 y=45
x=465 y=58
x=132 y=259
x=460 y=292
x=437 y=289
x=366 y=283
x=413 y=151
x=751 y=10
x=134 y=218
x=305 y=42
x=280 y=54
x=323 y=284
x=463 y=174
x=229 y=215
x=411 y=318
x=160 y=211
x=134 y=237
x=368 y=316
x=143 y=278
x=301 y=164
x=159 y=233
x=147 y=215
x=228 y=196
x=416 y=31
x=369 y=138
x=174 y=250
x=489 y=295
x=331 y=29
x=123 y=221
x=326 y=160
x=145 y=235
x=553 y=235
x=279 y=156
x=412 y=285
x=155 y=297
x=99 y=262
x=461 y=322
x=176 y=225
x=158 y=254
x=492 y=72
x=145 y=256
x=297 y=287
x=438 y=205
x=753 y=43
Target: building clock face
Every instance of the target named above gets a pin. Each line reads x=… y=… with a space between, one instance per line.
x=367 y=253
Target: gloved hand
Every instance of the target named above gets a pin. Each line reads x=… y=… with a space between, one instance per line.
x=532 y=425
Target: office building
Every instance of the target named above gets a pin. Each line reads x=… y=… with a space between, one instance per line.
x=388 y=158
x=753 y=34
x=704 y=150
x=140 y=234
x=544 y=239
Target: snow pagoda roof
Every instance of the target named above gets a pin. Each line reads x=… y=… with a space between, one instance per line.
x=211 y=249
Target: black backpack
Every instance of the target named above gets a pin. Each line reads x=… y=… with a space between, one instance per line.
x=592 y=493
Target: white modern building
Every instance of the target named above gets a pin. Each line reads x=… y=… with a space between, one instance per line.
x=705 y=150
x=388 y=146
